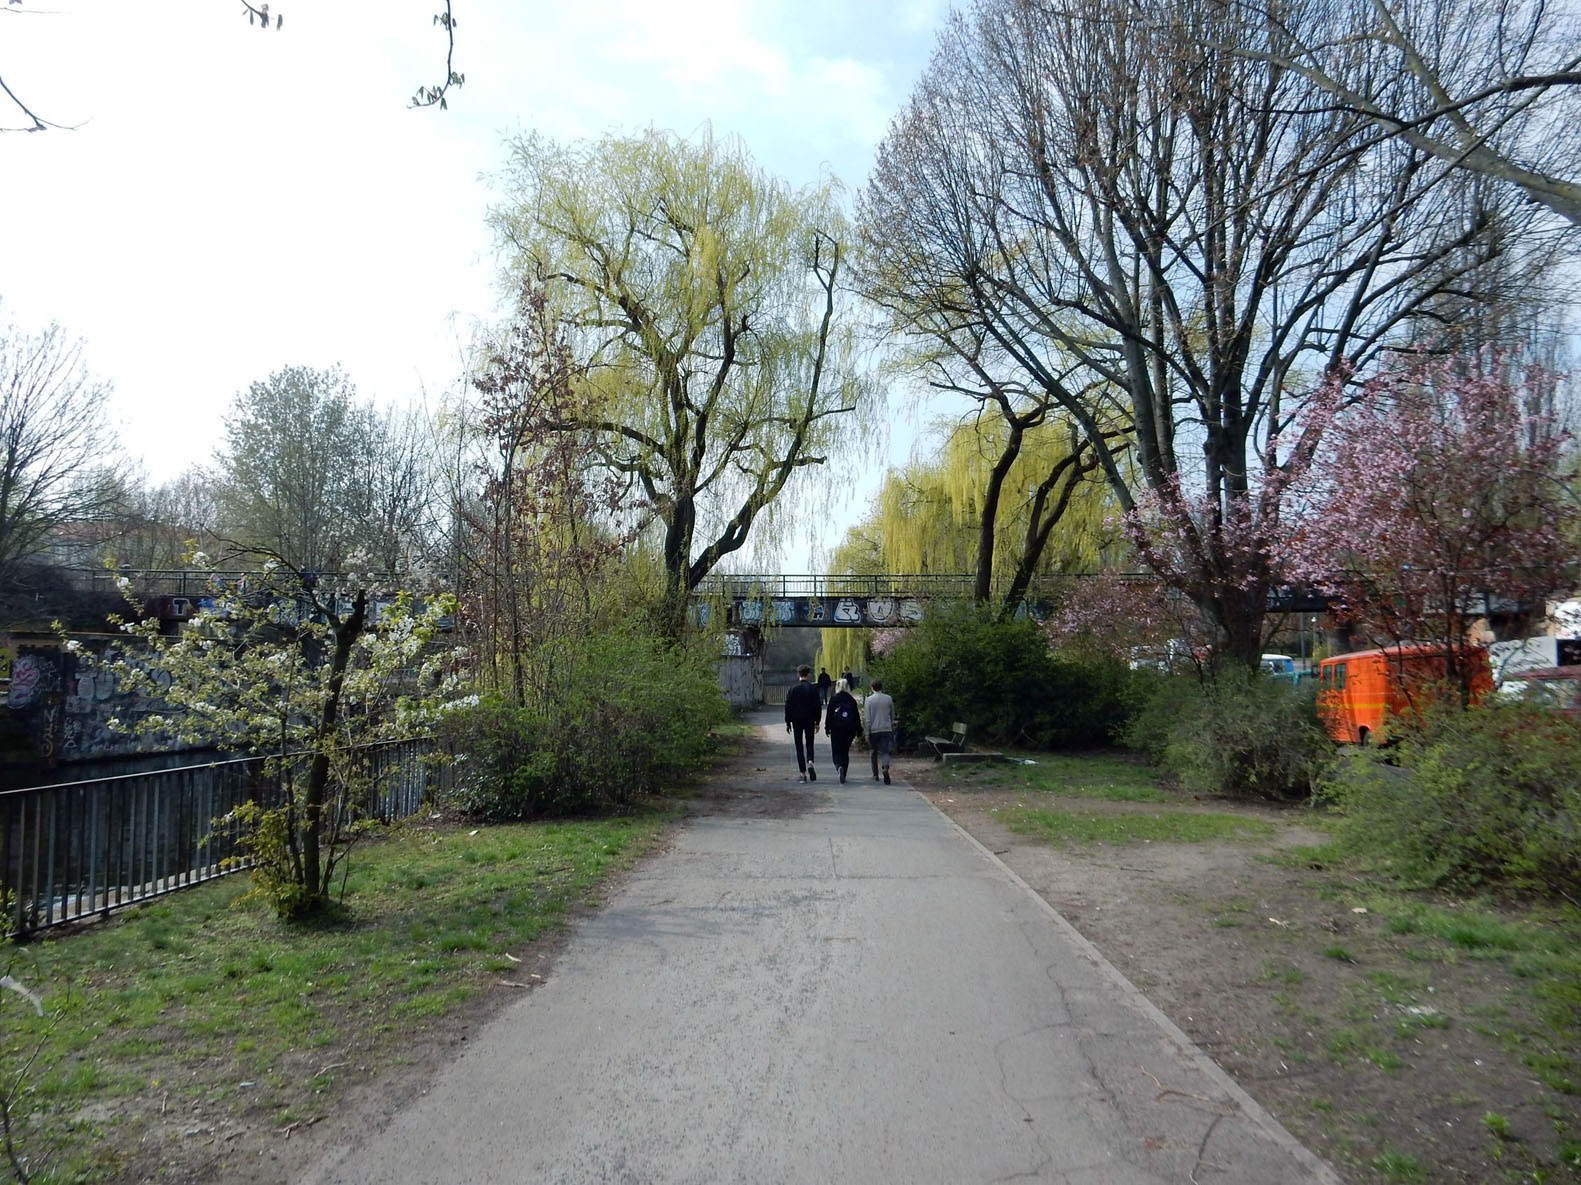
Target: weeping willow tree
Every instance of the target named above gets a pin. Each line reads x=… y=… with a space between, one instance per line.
x=1011 y=507
x=704 y=300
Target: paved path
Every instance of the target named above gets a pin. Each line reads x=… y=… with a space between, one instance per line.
x=828 y=984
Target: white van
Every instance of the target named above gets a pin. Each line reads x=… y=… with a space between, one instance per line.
x=1511 y=660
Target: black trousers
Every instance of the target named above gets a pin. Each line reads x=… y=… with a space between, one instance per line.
x=840 y=746
x=804 y=734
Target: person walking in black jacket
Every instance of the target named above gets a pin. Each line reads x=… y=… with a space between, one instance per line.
x=803 y=708
x=842 y=724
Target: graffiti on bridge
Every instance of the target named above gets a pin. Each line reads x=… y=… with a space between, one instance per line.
x=825 y=612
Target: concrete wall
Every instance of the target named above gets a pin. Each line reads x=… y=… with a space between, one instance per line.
x=58 y=709
x=741 y=679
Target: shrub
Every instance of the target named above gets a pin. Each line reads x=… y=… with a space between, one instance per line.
x=1240 y=733
x=633 y=717
x=961 y=663
x=1164 y=699
x=1487 y=797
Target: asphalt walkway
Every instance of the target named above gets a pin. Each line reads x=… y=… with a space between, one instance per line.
x=828 y=983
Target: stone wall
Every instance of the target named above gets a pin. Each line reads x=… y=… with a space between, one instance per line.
x=59 y=705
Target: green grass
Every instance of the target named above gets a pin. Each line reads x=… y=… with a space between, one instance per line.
x=190 y=990
x=1079 y=827
x=1111 y=778
x=1400 y=1167
x=1539 y=945
x=1496 y=1124
x=1276 y=971
x=1353 y=1043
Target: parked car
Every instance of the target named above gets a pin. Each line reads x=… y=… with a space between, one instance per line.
x=1360 y=691
x=1280 y=666
x=1173 y=656
x=1514 y=660
x=1558 y=688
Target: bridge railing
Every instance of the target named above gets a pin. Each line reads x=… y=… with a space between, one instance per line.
x=946 y=586
x=165 y=582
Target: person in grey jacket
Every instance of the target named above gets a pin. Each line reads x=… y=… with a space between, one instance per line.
x=880 y=711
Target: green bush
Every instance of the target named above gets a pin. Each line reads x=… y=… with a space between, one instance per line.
x=1000 y=678
x=1240 y=733
x=1164 y=699
x=1484 y=798
x=634 y=716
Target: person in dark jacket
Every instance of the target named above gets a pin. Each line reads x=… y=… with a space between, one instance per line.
x=823 y=684
x=803 y=708
x=842 y=724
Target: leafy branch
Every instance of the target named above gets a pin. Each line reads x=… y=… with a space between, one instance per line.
x=259 y=14
x=428 y=96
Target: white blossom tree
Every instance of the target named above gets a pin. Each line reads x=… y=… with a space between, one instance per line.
x=301 y=674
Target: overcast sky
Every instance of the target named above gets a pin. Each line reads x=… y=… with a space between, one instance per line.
x=232 y=201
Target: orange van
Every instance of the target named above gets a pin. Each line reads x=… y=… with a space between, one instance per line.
x=1358 y=692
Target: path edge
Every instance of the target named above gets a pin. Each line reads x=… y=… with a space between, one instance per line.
x=1323 y=1172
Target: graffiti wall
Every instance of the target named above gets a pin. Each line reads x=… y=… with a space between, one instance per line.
x=826 y=612
x=59 y=706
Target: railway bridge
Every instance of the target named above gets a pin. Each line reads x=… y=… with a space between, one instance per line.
x=806 y=601
x=822 y=602
x=885 y=601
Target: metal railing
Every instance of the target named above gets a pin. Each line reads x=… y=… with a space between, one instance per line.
x=943 y=586
x=933 y=586
x=83 y=849
x=173 y=582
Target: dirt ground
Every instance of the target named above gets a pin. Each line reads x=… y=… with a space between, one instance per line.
x=1383 y=1054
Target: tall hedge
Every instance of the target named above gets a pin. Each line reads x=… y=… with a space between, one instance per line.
x=632 y=717
x=1002 y=681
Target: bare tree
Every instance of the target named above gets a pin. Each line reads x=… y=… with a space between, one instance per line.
x=57 y=463
x=161 y=525
x=395 y=484
x=1129 y=211
x=1492 y=86
x=1016 y=423
x=310 y=474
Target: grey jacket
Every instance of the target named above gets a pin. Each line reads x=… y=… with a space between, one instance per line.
x=880 y=712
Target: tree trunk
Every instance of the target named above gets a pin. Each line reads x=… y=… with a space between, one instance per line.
x=983 y=584
x=347 y=632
